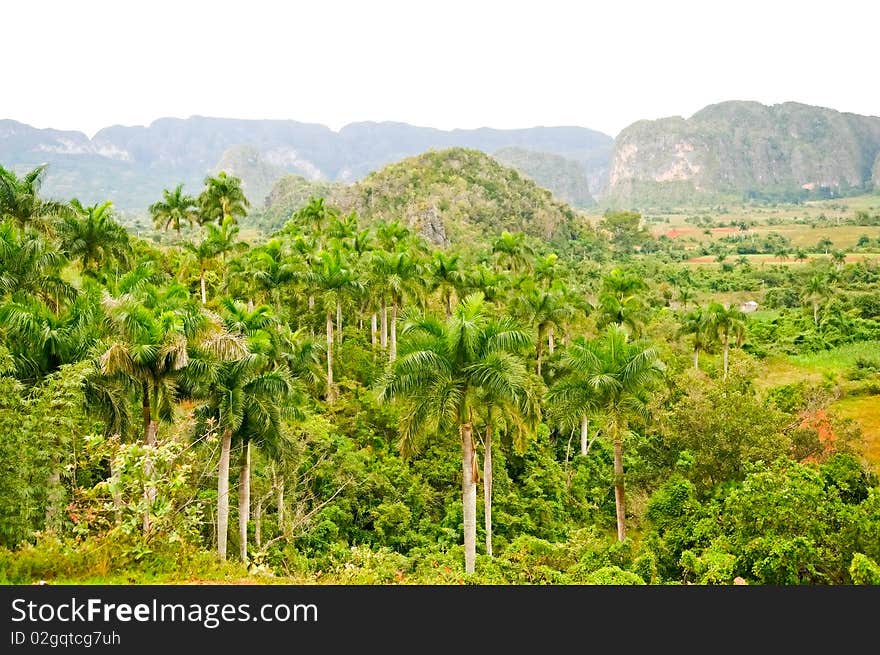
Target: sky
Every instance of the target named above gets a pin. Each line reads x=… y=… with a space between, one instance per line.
x=454 y=64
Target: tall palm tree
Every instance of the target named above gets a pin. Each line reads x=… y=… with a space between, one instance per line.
x=31 y=266
x=154 y=331
x=444 y=373
x=218 y=241
x=546 y=310
x=512 y=252
x=93 y=236
x=621 y=301
x=331 y=278
x=174 y=210
x=815 y=291
x=20 y=201
x=244 y=398
x=401 y=273
x=695 y=323
x=615 y=376
x=722 y=324
x=222 y=197
x=446 y=276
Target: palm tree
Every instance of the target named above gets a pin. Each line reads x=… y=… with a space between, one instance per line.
x=150 y=347
x=31 y=266
x=222 y=198
x=445 y=371
x=20 y=201
x=175 y=209
x=722 y=323
x=402 y=276
x=332 y=278
x=243 y=399
x=620 y=301
x=512 y=253
x=695 y=324
x=815 y=291
x=217 y=242
x=546 y=310
x=685 y=296
x=446 y=275
x=614 y=376
x=93 y=236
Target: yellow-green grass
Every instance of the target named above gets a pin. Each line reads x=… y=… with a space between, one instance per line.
x=864 y=410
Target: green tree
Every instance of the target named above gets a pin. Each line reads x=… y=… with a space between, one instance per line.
x=21 y=204
x=621 y=301
x=616 y=376
x=93 y=236
x=174 y=210
x=695 y=324
x=222 y=197
x=444 y=371
x=724 y=323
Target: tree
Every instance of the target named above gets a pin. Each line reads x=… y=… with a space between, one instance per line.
x=444 y=372
x=625 y=230
x=620 y=301
x=402 y=277
x=695 y=324
x=616 y=376
x=222 y=197
x=93 y=236
x=175 y=209
x=154 y=331
x=446 y=276
x=512 y=253
x=815 y=291
x=332 y=278
x=217 y=242
x=546 y=310
x=244 y=399
x=20 y=201
x=723 y=323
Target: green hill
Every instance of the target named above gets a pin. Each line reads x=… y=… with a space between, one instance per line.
x=455 y=195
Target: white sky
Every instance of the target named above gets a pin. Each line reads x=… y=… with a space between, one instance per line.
x=88 y=64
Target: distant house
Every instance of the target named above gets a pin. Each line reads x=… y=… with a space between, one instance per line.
x=748 y=306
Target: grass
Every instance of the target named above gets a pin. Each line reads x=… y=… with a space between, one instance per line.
x=864 y=410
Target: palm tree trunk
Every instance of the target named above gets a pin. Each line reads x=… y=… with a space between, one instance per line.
x=619 y=492
x=816 y=313
x=202 y=286
x=223 y=493
x=282 y=528
x=551 y=344
x=448 y=298
x=468 y=498
x=338 y=322
x=726 y=351
x=330 y=395
x=54 y=499
x=373 y=330
x=244 y=499
x=585 y=434
x=150 y=430
x=696 y=359
x=539 y=350
x=487 y=488
x=258 y=524
x=384 y=335
x=393 y=352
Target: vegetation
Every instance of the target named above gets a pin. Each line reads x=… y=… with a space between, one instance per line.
x=343 y=378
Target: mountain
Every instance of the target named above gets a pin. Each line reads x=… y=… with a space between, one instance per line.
x=565 y=178
x=455 y=195
x=131 y=165
x=257 y=175
x=744 y=150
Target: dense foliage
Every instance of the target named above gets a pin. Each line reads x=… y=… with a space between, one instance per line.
x=342 y=389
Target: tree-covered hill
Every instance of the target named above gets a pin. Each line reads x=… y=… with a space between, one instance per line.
x=456 y=196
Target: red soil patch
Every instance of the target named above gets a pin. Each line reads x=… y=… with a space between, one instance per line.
x=821 y=423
